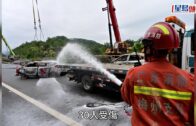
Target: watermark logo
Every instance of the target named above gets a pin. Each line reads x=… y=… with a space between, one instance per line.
x=184 y=8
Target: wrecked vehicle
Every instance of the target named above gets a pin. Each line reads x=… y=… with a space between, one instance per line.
x=40 y=69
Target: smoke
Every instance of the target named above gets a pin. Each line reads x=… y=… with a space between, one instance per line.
x=73 y=53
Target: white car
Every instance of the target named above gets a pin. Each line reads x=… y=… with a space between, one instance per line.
x=129 y=59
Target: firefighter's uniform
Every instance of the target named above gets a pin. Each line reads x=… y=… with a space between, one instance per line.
x=159 y=93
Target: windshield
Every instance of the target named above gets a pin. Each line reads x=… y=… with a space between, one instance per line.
x=31 y=65
x=122 y=58
x=135 y=57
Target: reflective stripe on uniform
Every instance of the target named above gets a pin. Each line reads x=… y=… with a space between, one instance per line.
x=163 y=28
x=171 y=94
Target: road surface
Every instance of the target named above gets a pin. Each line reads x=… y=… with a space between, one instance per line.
x=62 y=96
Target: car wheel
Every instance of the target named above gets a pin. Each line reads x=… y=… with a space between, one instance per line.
x=62 y=73
x=87 y=83
x=23 y=77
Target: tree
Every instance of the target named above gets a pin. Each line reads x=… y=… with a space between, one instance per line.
x=138 y=46
x=51 y=47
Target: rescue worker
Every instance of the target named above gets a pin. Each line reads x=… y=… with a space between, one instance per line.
x=159 y=93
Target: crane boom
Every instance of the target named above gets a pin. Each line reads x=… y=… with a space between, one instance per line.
x=119 y=46
x=6 y=43
x=114 y=20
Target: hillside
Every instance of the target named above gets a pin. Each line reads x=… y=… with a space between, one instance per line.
x=51 y=47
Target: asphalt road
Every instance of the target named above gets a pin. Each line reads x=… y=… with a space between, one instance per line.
x=66 y=97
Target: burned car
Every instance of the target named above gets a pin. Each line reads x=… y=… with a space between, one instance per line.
x=40 y=69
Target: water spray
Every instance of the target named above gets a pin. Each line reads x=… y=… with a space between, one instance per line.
x=76 y=52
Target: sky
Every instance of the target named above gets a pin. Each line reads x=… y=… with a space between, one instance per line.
x=84 y=18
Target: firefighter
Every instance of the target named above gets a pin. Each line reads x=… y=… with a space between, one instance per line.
x=159 y=93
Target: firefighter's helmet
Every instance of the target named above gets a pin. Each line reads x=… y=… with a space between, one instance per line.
x=161 y=36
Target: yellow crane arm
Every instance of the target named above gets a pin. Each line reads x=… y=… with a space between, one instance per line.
x=6 y=43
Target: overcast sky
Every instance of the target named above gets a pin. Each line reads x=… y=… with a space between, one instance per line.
x=84 y=18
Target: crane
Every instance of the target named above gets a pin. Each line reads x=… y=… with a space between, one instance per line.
x=119 y=46
x=6 y=43
x=12 y=57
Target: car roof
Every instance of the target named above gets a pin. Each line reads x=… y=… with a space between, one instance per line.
x=133 y=53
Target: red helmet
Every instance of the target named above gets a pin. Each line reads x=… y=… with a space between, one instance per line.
x=162 y=36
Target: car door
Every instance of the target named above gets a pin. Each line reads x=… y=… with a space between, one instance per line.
x=30 y=70
x=43 y=70
x=132 y=59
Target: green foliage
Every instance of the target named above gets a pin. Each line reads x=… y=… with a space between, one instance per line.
x=138 y=46
x=107 y=45
x=130 y=42
x=91 y=46
x=37 y=50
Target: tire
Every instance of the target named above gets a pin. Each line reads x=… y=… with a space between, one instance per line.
x=23 y=77
x=63 y=73
x=87 y=83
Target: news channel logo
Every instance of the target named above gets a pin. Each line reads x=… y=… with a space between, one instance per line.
x=184 y=8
